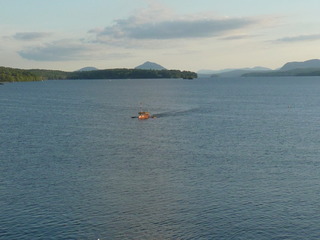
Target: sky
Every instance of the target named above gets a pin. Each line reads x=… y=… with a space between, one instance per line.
x=177 y=34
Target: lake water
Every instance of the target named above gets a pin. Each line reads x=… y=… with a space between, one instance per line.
x=224 y=159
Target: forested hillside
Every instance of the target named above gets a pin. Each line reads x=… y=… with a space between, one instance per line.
x=18 y=75
x=131 y=74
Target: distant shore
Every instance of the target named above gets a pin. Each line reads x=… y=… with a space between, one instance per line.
x=19 y=75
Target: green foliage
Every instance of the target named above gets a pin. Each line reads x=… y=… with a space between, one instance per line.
x=17 y=75
x=123 y=73
x=49 y=74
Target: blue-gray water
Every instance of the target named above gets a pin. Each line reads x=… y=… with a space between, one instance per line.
x=225 y=159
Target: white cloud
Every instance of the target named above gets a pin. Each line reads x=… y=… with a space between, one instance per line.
x=69 y=50
x=159 y=23
x=155 y=27
x=57 y=51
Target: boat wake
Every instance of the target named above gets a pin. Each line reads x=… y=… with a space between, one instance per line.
x=175 y=113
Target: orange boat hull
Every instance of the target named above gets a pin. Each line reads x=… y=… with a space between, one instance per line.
x=143 y=117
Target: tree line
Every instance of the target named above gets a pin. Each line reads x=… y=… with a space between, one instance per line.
x=18 y=75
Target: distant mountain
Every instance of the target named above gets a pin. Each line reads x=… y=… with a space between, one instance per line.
x=314 y=63
x=86 y=69
x=240 y=72
x=211 y=72
x=229 y=72
x=150 y=66
x=291 y=69
x=206 y=71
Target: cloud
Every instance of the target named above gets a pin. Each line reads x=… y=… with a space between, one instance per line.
x=175 y=28
x=29 y=36
x=69 y=50
x=153 y=28
x=300 y=38
x=158 y=23
x=57 y=51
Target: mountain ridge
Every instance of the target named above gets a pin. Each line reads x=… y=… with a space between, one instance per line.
x=230 y=72
x=150 y=66
x=312 y=63
x=295 y=68
x=85 y=69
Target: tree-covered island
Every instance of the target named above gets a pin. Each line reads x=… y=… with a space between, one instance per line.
x=19 y=75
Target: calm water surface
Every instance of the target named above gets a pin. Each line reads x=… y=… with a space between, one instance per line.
x=225 y=159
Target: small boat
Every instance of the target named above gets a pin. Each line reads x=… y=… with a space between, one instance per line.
x=144 y=115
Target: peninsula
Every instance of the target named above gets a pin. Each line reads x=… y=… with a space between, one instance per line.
x=19 y=75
